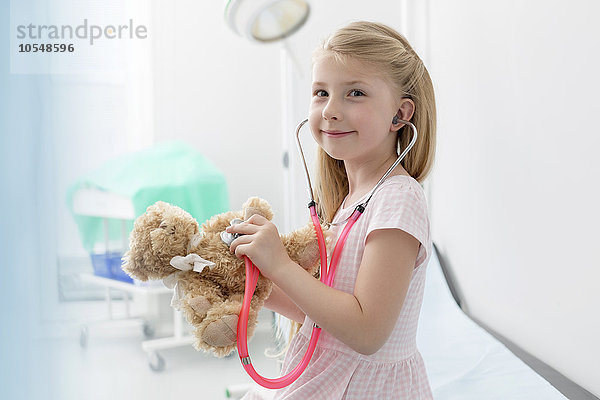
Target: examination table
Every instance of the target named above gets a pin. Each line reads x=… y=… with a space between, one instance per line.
x=463 y=360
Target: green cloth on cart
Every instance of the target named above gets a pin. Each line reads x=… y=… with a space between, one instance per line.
x=169 y=171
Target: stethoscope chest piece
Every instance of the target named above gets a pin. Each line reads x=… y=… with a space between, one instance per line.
x=227 y=237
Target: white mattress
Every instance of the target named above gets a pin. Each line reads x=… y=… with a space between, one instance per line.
x=464 y=361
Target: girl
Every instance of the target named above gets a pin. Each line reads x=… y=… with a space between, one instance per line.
x=366 y=78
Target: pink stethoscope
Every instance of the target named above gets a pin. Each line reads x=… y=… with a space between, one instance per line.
x=327 y=275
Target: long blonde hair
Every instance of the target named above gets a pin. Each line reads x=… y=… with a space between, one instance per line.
x=387 y=50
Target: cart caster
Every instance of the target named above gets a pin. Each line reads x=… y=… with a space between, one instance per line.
x=156 y=362
x=84 y=334
x=148 y=330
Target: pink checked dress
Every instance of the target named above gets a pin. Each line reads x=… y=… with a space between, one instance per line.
x=397 y=370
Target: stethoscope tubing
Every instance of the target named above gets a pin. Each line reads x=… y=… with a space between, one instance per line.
x=252 y=274
x=327 y=276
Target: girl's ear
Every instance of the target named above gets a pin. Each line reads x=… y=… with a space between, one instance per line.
x=405 y=112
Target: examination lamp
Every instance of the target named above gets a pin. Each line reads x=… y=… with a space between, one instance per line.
x=266 y=20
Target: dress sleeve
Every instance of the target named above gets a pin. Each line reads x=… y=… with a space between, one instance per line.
x=401 y=206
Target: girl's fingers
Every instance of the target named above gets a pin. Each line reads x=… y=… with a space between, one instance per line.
x=257 y=219
x=243 y=228
x=239 y=250
x=245 y=239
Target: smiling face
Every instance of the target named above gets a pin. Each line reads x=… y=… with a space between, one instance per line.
x=351 y=110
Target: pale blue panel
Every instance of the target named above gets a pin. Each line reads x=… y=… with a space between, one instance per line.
x=20 y=120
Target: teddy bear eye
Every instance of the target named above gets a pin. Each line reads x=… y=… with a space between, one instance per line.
x=163 y=225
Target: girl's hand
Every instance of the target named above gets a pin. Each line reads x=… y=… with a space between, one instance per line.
x=261 y=243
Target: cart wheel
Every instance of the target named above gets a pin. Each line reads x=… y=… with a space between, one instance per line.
x=156 y=362
x=148 y=330
x=83 y=336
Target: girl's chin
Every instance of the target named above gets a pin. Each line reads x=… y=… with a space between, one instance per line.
x=337 y=155
x=336 y=150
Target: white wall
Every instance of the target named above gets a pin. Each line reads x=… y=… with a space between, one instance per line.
x=220 y=94
x=514 y=196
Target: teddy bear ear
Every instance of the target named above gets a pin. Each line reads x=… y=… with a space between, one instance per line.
x=256 y=205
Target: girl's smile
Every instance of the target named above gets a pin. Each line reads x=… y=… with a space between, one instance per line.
x=337 y=134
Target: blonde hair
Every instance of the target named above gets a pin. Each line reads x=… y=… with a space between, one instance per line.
x=388 y=51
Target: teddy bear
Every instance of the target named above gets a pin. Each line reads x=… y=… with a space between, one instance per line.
x=207 y=278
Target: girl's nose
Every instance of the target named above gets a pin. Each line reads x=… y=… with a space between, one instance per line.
x=332 y=112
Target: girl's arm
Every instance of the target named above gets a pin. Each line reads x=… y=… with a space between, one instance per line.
x=362 y=320
x=279 y=302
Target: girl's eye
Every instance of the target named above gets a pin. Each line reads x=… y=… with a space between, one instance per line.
x=356 y=92
x=318 y=93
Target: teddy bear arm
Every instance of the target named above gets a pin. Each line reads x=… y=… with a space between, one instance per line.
x=303 y=248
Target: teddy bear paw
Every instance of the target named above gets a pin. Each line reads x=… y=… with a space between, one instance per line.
x=309 y=256
x=222 y=332
x=200 y=305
